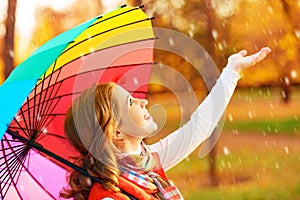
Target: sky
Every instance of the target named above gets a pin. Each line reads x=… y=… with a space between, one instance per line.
x=25 y=19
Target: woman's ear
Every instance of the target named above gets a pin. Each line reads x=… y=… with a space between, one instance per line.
x=118 y=135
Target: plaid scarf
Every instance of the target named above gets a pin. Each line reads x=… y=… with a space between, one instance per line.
x=139 y=170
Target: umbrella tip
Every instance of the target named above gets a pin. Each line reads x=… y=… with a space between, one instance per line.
x=141 y=6
x=151 y=18
x=124 y=5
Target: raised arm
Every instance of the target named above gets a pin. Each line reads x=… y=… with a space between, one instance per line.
x=179 y=144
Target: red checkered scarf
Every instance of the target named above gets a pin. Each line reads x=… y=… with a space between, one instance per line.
x=139 y=170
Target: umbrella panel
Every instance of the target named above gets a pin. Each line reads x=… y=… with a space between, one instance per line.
x=24 y=168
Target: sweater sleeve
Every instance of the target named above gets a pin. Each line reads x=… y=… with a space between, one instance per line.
x=179 y=144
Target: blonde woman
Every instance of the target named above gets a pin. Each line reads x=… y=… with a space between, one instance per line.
x=107 y=126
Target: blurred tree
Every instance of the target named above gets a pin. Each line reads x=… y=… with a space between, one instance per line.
x=286 y=74
x=134 y=2
x=8 y=50
x=51 y=22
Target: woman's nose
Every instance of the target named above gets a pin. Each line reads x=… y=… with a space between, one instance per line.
x=143 y=102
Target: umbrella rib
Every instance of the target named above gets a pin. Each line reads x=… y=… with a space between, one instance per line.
x=40 y=95
x=55 y=156
x=21 y=164
x=124 y=25
x=29 y=118
x=112 y=67
x=137 y=41
x=49 y=133
x=47 y=111
x=37 y=182
x=7 y=160
x=44 y=107
x=20 y=126
x=46 y=125
x=12 y=163
x=25 y=122
x=122 y=13
x=7 y=148
x=34 y=110
x=9 y=171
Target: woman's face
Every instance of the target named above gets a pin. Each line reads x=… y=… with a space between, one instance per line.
x=134 y=118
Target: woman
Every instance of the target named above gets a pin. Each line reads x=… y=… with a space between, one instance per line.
x=107 y=126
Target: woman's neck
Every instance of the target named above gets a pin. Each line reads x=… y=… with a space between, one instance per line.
x=131 y=144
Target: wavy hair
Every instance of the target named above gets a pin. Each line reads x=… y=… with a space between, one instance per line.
x=89 y=125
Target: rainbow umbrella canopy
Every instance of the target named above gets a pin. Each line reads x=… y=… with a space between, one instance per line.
x=116 y=46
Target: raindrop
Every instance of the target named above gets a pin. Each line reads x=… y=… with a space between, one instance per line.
x=41 y=178
x=88 y=181
x=250 y=115
x=283 y=94
x=45 y=131
x=277 y=166
x=192 y=26
x=268 y=91
x=240 y=160
x=21 y=187
x=286 y=149
x=266 y=143
x=222 y=163
x=2 y=30
x=270 y=32
x=228 y=164
x=215 y=34
x=18 y=118
x=271 y=105
x=92 y=160
x=187 y=159
x=82 y=57
x=294 y=74
x=230 y=117
x=11 y=53
x=286 y=80
x=171 y=41
x=226 y=151
x=135 y=81
x=89 y=36
x=220 y=46
x=191 y=33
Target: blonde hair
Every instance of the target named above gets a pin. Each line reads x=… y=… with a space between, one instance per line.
x=89 y=125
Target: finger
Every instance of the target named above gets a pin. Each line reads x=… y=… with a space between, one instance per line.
x=260 y=55
x=243 y=52
x=263 y=53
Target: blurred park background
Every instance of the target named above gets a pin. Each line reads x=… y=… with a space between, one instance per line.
x=258 y=153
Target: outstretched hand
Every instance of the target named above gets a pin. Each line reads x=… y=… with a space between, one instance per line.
x=240 y=60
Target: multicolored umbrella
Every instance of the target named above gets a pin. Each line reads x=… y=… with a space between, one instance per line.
x=116 y=46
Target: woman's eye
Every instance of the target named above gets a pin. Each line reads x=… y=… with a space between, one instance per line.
x=131 y=102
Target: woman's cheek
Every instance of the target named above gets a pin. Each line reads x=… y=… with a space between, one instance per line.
x=136 y=117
